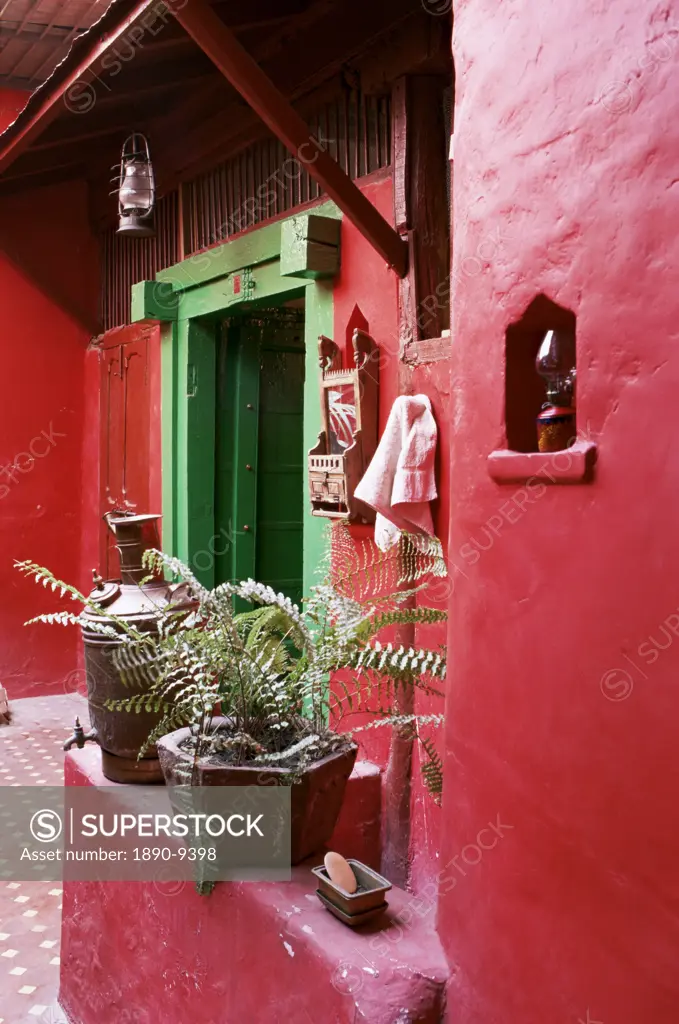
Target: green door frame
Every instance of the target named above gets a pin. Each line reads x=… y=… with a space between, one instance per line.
x=295 y=257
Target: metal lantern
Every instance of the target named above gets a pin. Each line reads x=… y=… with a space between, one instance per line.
x=136 y=189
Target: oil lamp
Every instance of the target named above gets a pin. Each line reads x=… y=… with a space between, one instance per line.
x=556 y=363
x=136 y=189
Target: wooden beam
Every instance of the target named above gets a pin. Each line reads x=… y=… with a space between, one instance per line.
x=103 y=120
x=310 y=246
x=202 y=135
x=54 y=34
x=308 y=77
x=119 y=129
x=258 y=12
x=427 y=350
x=98 y=124
x=51 y=105
x=236 y=64
x=150 y=83
x=37 y=177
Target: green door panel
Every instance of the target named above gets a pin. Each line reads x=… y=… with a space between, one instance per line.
x=259 y=464
x=280 y=467
x=235 y=450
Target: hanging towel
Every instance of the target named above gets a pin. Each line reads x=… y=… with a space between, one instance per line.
x=400 y=481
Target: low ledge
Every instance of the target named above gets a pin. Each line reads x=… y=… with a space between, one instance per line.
x=252 y=951
x=571 y=466
x=358 y=830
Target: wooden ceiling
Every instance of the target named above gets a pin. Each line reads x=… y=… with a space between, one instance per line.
x=156 y=80
x=36 y=34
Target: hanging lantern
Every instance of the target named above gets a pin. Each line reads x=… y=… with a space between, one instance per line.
x=136 y=189
x=555 y=362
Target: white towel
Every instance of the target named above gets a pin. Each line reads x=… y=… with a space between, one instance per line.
x=400 y=481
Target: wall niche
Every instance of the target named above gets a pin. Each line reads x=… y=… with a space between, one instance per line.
x=525 y=389
x=548 y=329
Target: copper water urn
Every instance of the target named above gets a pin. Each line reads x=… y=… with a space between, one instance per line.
x=138 y=600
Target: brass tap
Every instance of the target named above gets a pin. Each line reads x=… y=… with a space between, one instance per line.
x=80 y=737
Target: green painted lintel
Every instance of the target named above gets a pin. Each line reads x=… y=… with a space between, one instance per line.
x=310 y=246
x=247 y=250
x=153 y=300
x=261 y=284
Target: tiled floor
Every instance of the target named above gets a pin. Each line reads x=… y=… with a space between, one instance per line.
x=30 y=912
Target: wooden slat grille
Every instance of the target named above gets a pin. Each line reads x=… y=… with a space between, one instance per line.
x=125 y=261
x=266 y=180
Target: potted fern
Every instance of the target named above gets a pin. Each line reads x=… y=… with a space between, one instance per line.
x=244 y=697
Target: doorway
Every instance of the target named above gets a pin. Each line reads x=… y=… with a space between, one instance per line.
x=259 y=449
x=235 y=323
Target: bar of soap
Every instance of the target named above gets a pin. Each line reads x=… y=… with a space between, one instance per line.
x=339 y=872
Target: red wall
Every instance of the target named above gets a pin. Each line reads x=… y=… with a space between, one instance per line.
x=563 y=697
x=365 y=283
x=43 y=358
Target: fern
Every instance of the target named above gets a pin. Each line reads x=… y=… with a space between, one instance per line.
x=268 y=669
x=47 y=579
x=361 y=570
x=415 y=616
x=432 y=768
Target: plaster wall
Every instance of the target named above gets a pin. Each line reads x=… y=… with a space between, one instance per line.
x=562 y=694
x=366 y=296
x=43 y=432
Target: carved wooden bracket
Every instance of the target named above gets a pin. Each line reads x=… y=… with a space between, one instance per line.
x=347 y=443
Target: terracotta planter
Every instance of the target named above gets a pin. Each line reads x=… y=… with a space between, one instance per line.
x=316 y=799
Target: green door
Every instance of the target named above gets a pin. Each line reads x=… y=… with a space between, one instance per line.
x=259 y=471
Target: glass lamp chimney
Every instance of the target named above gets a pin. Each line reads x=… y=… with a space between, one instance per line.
x=555 y=362
x=136 y=189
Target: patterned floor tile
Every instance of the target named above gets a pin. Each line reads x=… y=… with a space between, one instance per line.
x=30 y=912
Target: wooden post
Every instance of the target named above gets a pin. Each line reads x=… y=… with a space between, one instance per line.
x=420 y=163
x=396 y=817
x=428 y=170
x=420 y=166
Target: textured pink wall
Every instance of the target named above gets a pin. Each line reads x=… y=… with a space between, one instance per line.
x=563 y=690
x=366 y=283
x=44 y=437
